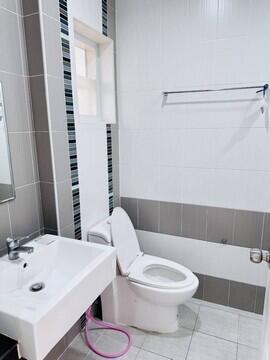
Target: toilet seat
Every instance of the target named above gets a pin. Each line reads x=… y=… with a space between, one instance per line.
x=160 y=273
x=151 y=271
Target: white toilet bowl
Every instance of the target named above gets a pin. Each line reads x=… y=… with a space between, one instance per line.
x=148 y=289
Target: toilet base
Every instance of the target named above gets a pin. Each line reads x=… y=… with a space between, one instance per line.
x=121 y=305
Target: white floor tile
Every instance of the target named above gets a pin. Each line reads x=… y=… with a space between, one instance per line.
x=247 y=353
x=111 y=344
x=249 y=332
x=226 y=308
x=188 y=314
x=205 y=347
x=146 y=355
x=217 y=323
x=174 y=346
x=137 y=336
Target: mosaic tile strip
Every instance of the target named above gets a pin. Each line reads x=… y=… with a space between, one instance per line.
x=70 y=117
x=108 y=126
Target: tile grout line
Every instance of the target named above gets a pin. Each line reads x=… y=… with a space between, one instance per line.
x=193 y=330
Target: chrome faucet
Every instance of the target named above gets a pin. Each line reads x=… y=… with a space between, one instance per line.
x=14 y=248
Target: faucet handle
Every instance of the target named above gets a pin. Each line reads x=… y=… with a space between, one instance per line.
x=12 y=243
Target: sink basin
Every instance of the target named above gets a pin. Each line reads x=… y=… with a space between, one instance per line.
x=72 y=275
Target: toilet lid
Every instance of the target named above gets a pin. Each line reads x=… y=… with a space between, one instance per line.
x=124 y=239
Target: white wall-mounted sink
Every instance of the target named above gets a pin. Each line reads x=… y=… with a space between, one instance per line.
x=74 y=273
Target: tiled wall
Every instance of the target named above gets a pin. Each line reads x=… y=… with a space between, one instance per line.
x=205 y=149
x=231 y=293
x=70 y=118
x=243 y=228
x=22 y=216
x=198 y=164
x=45 y=65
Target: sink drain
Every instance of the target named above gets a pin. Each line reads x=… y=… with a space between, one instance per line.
x=37 y=286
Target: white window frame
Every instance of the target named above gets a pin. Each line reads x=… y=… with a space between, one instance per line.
x=84 y=36
x=84 y=43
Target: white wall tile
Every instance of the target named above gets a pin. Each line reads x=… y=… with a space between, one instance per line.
x=198 y=148
x=169 y=149
x=259 y=20
x=139 y=181
x=242 y=148
x=233 y=18
x=170 y=182
x=218 y=142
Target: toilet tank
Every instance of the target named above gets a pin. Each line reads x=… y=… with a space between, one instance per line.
x=100 y=233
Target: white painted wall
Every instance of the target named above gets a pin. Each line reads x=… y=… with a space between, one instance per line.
x=213 y=153
x=91 y=137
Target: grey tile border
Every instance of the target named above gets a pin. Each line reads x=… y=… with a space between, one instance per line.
x=216 y=290
x=131 y=207
x=39 y=104
x=242 y=296
x=237 y=227
x=48 y=205
x=194 y=221
x=33 y=44
x=199 y=292
x=220 y=225
x=170 y=218
x=148 y=219
x=30 y=7
x=44 y=156
x=266 y=233
x=235 y=294
x=248 y=228
x=260 y=296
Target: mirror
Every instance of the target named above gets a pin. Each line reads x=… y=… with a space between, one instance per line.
x=7 y=190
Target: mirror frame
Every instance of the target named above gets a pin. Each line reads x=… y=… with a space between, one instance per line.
x=8 y=145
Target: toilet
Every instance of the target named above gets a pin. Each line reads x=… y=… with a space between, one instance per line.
x=147 y=290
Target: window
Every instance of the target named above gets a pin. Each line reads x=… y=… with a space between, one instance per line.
x=86 y=58
x=95 y=83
